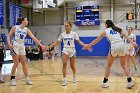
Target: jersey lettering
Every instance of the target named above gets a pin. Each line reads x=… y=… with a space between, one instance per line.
x=113 y=32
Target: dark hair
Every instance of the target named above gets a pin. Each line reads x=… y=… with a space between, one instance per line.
x=109 y=23
x=20 y=19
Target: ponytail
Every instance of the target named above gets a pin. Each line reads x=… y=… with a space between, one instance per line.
x=109 y=23
x=117 y=29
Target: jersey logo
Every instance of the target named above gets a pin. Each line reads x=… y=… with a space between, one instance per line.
x=113 y=32
x=68 y=43
x=21 y=36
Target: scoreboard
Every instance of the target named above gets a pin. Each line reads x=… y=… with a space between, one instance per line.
x=87 y=15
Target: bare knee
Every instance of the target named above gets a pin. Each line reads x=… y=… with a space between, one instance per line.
x=23 y=64
x=72 y=66
x=15 y=65
x=124 y=66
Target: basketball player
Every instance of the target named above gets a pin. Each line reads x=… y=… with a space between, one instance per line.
x=130 y=48
x=2 y=54
x=113 y=34
x=68 y=51
x=18 y=48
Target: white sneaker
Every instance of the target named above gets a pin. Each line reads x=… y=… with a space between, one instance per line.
x=13 y=82
x=130 y=84
x=29 y=82
x=64 y=82
x=105 y=85
x=74 y=79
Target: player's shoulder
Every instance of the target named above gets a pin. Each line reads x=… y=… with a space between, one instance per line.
x=26 y=28
x=133 y=34
x=63 y=33
x=72 y=32
x=108 y=29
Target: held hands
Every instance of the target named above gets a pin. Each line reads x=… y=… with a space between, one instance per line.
x=86 y=46
x=44 y=48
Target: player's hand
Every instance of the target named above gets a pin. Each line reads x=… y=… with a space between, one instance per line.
x=130 y=49
x=86 y=46
x=47 y=47
x=44 y=48
x=136 y=45
x=11 y=46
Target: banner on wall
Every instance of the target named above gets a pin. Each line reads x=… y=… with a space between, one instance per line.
x=1 y=12
x=29 y=41
x=12 y=14
x=18 y=14
x=15 y=13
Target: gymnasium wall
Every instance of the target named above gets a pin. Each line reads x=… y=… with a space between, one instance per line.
x=52 y=19
x=48 y=17
x=47 y=34
x=100 y=49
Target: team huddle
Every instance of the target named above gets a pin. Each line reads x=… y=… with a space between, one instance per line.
x=112 y=33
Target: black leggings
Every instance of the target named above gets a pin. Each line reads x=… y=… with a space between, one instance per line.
x=1 y=58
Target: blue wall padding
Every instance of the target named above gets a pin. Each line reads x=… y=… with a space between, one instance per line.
x=100 y=49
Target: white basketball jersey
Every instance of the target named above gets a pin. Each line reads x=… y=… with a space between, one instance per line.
x=113 y=36
x=20 y=34
x=132 y=37
x=68 y=39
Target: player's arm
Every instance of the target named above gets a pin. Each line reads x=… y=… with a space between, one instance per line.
x=36 y=40
x=76 y=37
x=54 y=44
x=97 y=39
x=4 y=48
x=33 y=37
x=81 y=43
x=9 y=35
x=132 y=46
x=126 y=37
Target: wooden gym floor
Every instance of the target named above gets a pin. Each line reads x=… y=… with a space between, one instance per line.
x=47 y=76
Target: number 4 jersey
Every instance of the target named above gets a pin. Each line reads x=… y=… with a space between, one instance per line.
x=68 y=39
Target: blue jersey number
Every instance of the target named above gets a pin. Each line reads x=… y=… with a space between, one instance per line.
x=68 y=43
x=113 y=32
x=21 y=36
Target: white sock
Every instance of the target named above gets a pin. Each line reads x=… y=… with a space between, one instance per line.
x=27 y=78
x=65 y=78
